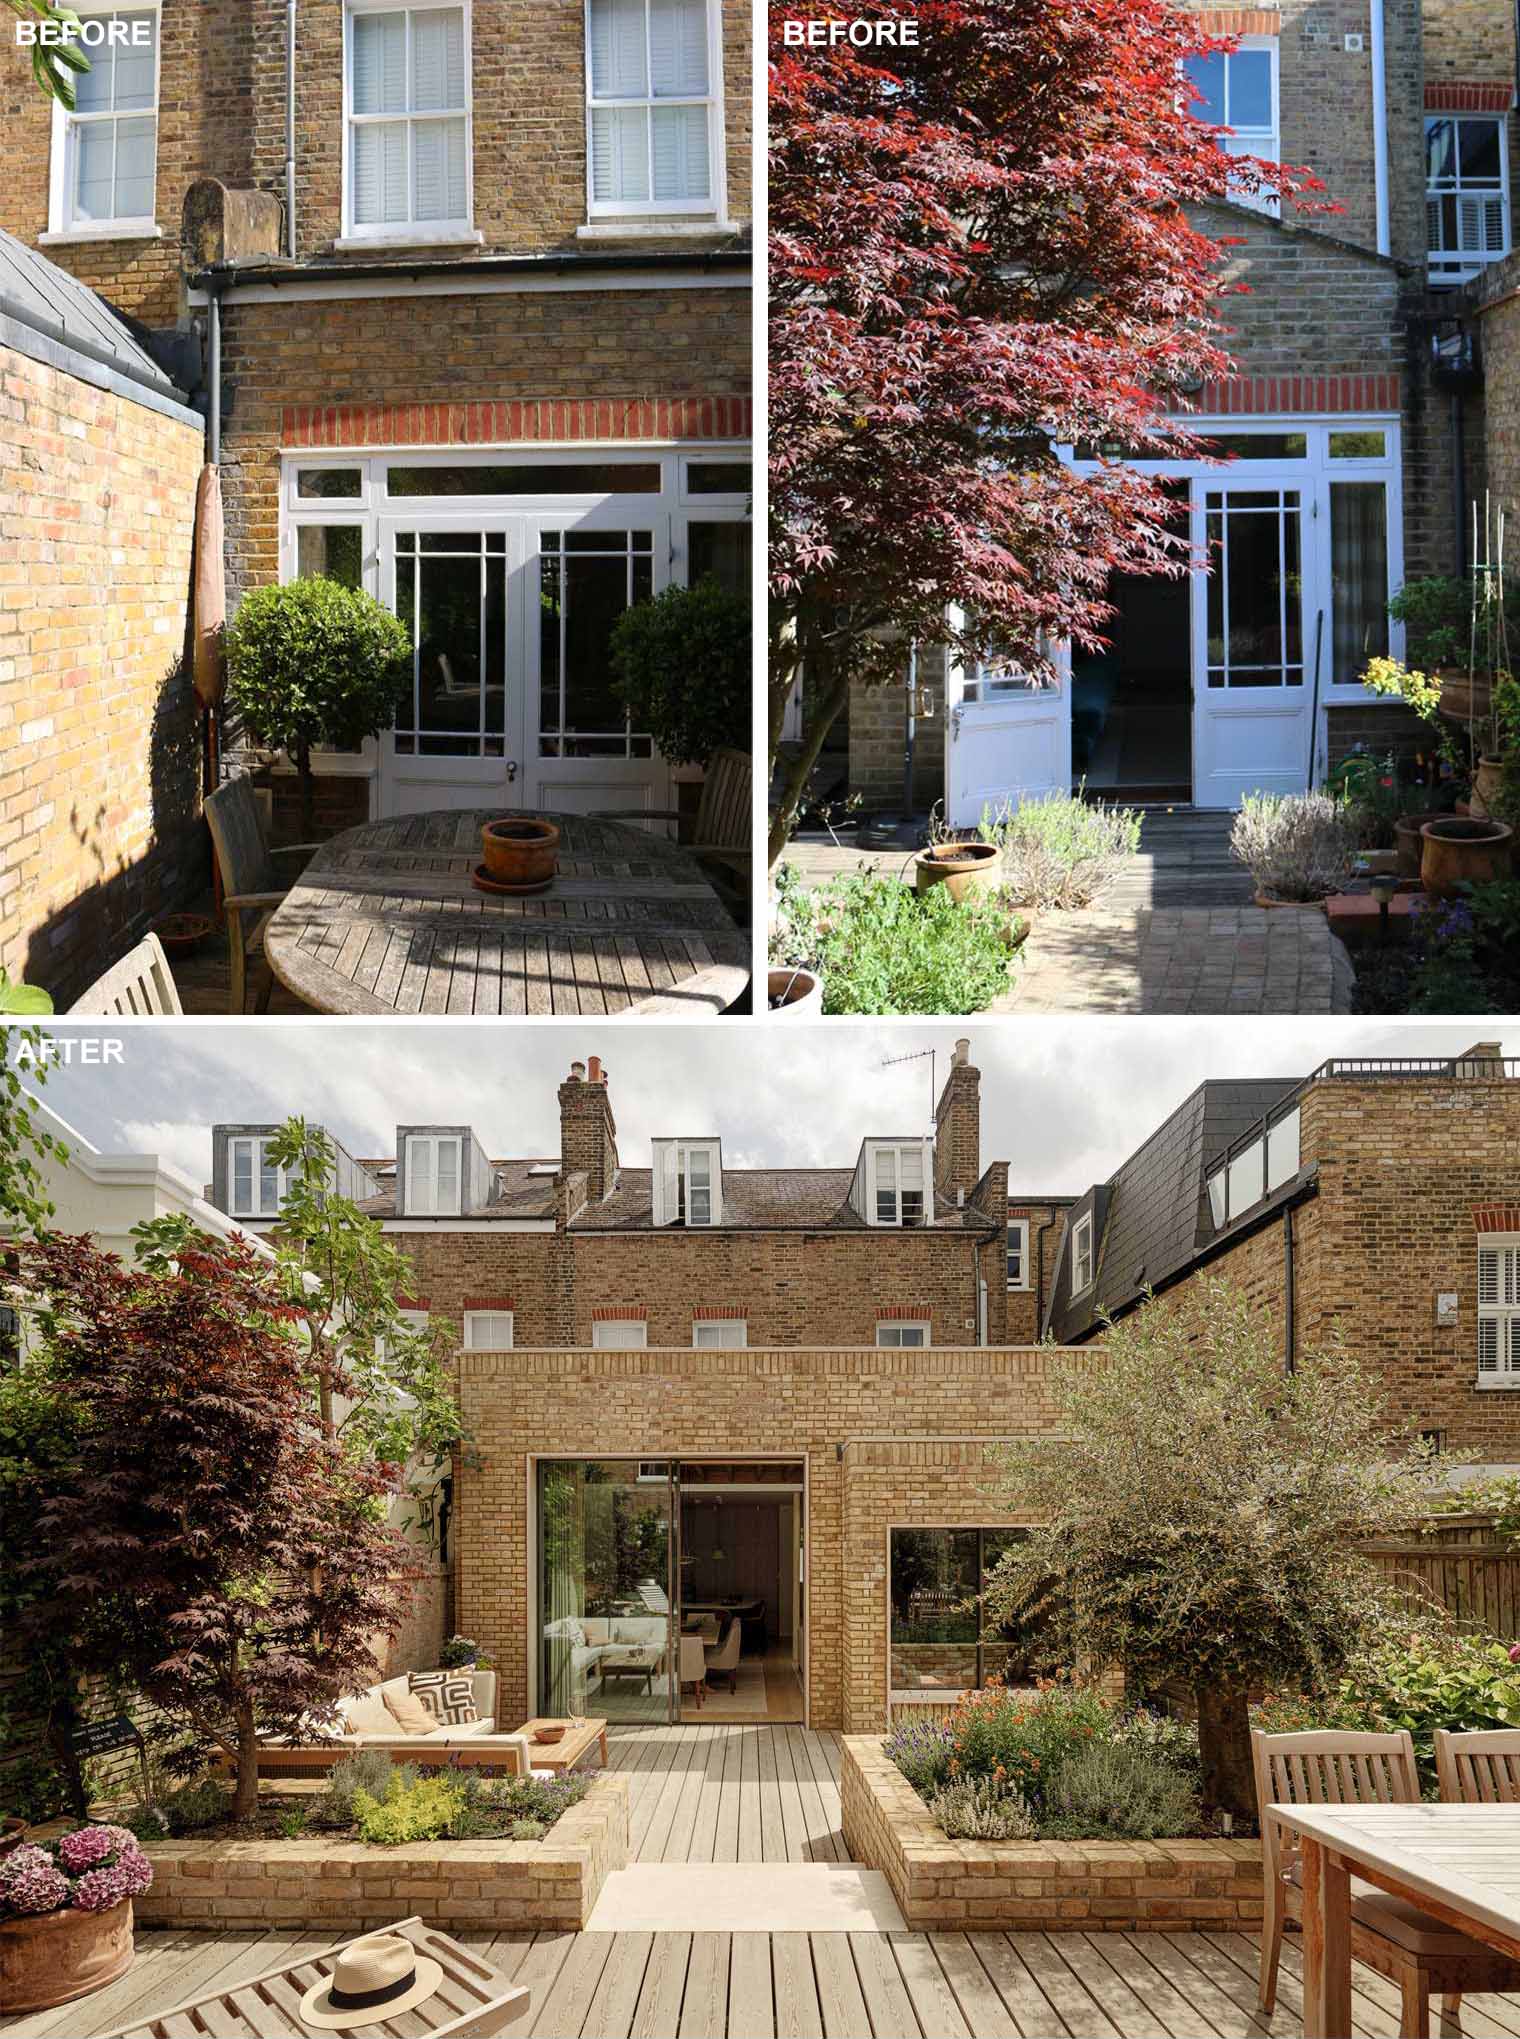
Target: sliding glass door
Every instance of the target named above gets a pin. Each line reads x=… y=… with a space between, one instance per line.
x=606 y=1567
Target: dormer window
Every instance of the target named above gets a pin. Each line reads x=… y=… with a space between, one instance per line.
x=688 y=1182
x=256 y=1186
x=433 y=1174
x=1082 y=1254
x=898 y=1183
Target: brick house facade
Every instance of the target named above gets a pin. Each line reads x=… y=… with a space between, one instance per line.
x=1336 y=409
x=473 y=282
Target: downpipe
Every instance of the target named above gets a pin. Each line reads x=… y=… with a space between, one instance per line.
x=1380 y=130
x=290 y=129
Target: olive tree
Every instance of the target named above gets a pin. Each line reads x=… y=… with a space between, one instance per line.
x=1199 y=1504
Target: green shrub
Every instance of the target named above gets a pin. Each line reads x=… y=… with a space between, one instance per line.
x=978 y=1809
x=881 y=948
x=1119 y=1791
x=1022 y=1739
x=294 y=1824
x=1062 y=850
x=1164 y=1736
x=526 y=1830
x=422 y=1811
x=681 y=666
x=368 y=1770
x=1299 y=846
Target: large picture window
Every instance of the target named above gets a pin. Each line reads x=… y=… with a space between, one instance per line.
x=408 y=120
x=940 y=1641
x=652 y=116
x=106 y=149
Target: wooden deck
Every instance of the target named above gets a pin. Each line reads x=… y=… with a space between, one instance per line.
x=731 y=1793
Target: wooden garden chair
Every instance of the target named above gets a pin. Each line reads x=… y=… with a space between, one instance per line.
x=1414 y=1951
x=473 y=2000
x=724 y=835
x=251 y=890
x=1480 y=1768
x=140 y=986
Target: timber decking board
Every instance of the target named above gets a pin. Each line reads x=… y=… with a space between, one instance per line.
x=385 y=919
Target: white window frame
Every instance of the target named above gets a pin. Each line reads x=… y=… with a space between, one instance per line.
x=62 y=226
x=670 y=1189
x=256 y=1142
x=874 y=1187
x=1019 y=1226
x=1083 y=1255
x=474 y=1318
x=720 y=1334
x=1251 y=141
x=620 y=1334
x=1448 y=267
x=889 y=1334
x=432 y=1208
x=715 y=205
x=1502 y=1310
x=408 y=233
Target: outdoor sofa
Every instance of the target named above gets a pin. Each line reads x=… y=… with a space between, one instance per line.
x=460 y=1744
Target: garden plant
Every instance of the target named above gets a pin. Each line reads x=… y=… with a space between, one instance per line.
x=882 y=948
x=1062 y=850
x=681 y=667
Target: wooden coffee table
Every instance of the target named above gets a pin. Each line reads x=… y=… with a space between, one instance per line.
x=564 y=1755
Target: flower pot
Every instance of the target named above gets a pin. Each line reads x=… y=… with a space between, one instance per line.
x=13 y=1832
x=1462 y=851
x=520 y=849
x=796 y=992
x=53 y=1958
x=1411 y=844
x=1464 y=696
x=966 y=870
x=1487 y=786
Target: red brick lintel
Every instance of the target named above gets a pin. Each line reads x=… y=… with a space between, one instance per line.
x=1496 y=1217
x=620 y=1313
x=541 y=420
x=1245 y=396
x=721 y=1313
x=1238 y=20
x=903 y=1313
x=1469 y=95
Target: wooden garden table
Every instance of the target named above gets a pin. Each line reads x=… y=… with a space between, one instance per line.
x=578 y=1741
x=1459 y=1863
x=384 y=919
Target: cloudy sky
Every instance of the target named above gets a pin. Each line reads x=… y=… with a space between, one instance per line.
x=1063 y=1100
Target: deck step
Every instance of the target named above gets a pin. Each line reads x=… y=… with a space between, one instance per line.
x=746 y=1897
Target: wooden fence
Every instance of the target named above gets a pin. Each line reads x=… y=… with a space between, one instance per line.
x=1461 y=1566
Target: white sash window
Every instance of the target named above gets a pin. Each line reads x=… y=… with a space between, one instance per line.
x=432 y=1176
x=1498 y=1311
x=652 y=115
x=408 y=120
x=1466 y=195
x=105 y=152
x=488 y=1330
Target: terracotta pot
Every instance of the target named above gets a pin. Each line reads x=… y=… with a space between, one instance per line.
x=62 y=1955
x=1487 y=785
x=521 y=849
x=13 y=1832
x=1411 y=844
x=1464 y=696
x=797 y=993
x=966 y=870
x=1462 y=852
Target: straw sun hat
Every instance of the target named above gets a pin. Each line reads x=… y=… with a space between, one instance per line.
x=374 y=1979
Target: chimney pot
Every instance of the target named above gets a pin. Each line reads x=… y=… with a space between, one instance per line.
x=577 y=1072
x=594 y=1069
x=962 y=1051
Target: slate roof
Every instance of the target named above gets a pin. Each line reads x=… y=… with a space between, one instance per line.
x=519 y=1194
x=1153 y=1214
x=39 y=295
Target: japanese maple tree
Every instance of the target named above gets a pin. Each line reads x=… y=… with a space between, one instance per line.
x=206 y=1542
x=981 y=248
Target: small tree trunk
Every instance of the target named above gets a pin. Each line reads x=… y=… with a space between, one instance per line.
x=1224 y=1742
x=824 y=710
x=245 y=1803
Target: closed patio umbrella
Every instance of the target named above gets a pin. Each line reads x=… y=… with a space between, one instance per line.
x=210 y=588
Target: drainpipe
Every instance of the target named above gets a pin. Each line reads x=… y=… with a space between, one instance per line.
x=1290 y=1328
x=1380 y=131
x=1459 y=475
x=214 y=370
x=290 y=129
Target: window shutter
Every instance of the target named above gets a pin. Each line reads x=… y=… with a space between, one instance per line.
x=620 y=153
x=677 y=48
x=680 y=152
x=617 y=49
x=420 y=1185
x=1493 y=226
x=665 y=1183
x=488 y=1331
x=380 y=174
x=715 y=1176
x=438 y=146
x=379 y=63
x=1433 y=224
x=437 y=60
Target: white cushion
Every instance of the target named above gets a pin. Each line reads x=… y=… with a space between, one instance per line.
x=367 y=1714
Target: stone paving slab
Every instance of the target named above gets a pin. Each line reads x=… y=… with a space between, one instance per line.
x=747 y=1897
x=1238 y=959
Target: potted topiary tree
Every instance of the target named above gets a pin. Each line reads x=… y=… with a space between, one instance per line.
x=314 y=662
x=681 y=667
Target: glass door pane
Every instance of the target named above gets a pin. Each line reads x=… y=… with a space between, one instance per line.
x=1255 y=588
x=605 y=1563
x=451 y=593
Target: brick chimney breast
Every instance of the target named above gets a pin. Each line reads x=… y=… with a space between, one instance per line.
x=587 y=1131
x=958 y=1129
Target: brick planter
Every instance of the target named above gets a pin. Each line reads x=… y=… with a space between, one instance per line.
x=1175 y=1886
x=316 y=1883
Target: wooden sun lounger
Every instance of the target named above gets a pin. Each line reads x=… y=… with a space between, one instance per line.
x=472 y=1999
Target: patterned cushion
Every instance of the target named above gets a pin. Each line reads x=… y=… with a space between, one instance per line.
x=448 y=1695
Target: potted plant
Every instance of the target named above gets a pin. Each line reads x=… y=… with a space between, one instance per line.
x=681 y=667
x=1496 y=774
x=1437 y=613
x=521 y=852
x=967 y=870
x=66 y=1916
x=462 y=1653
x=794 y=990
x=312 y=663
x=1463 y=849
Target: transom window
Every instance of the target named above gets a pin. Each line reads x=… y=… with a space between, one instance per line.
x=256 y=1186
x=901 y=1334
x=1018 y=1253
x=1499 y=1309
x=1082 y=1254
x=652 y=113
x=433 y=1175
x=1237 y=89
x=409 y=118
x=108 y=145
x=488 y=1330
x=1466 y=196
x=720 y=1334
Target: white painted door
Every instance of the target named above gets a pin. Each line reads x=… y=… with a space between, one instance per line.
x=1007 y=738
x=1253 y=648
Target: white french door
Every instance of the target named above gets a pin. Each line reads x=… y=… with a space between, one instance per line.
x=1253 y=645
x=510 y=700
x=1007 y=736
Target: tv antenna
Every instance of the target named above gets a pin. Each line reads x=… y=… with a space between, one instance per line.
x=929 y=1055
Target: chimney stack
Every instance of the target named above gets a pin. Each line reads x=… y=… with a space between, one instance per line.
x=1482 y=1063
x=958 y=1129
x=587 y=1133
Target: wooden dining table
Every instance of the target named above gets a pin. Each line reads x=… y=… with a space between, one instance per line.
x=386 y=919
x=1459 y=1863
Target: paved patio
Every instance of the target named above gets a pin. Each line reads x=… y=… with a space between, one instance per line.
x=1177 y=933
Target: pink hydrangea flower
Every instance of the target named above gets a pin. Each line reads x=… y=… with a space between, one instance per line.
x=31 y=1882
x=90 y=1846
x=98 y=1889
x=1514 y=1653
